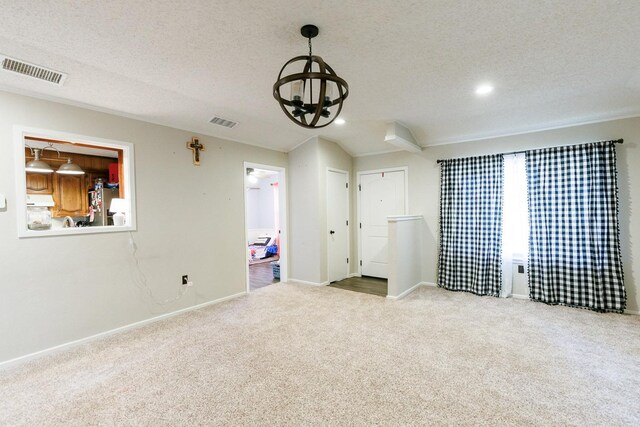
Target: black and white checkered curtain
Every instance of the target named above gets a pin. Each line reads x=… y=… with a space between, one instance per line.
x=471 y=225
x=574 y=242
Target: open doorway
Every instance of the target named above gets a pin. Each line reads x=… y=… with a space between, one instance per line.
x=265 y=220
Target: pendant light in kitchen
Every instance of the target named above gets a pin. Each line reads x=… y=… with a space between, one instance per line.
x=37 y=165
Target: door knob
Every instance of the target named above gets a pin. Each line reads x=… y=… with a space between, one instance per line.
x=332 y=232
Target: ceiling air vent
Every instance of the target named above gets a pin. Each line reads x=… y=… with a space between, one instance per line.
x=31 y=70
x=223 y=122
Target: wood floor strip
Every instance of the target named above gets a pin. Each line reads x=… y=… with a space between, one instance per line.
x=364 y=284
x=261 y=275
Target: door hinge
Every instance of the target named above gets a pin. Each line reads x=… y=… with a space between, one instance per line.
x=347 y=223
x=360 y=263
x=360 y=225
x=347 y=184
x=347 y=260
x=359 y=187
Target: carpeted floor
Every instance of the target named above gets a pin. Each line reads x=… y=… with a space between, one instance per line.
x=296 y=355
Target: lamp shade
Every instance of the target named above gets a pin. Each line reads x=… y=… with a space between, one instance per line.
x=70 y=168
x=119 y=205
x=36 y=165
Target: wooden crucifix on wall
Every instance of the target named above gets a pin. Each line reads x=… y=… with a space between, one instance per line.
x=195 y=146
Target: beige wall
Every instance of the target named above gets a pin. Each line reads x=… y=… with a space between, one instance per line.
x=308 y=206
x=304 y=213
x=334 y=157
x=424 y=181
x=190 y=221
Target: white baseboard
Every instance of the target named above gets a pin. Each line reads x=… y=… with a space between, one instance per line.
x=304 y=282
x=516 y=296
x=26 y=357
x=354 y=275
x=405 y=293
x=411 y=289
x=634 y=312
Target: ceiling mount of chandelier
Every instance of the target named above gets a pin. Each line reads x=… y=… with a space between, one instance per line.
x=313 y=92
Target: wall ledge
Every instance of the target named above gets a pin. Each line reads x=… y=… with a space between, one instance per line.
x=400 y=218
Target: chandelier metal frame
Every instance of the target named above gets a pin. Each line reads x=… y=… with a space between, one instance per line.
x=319 y=105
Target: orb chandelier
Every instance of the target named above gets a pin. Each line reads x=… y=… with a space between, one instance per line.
x=313 y=92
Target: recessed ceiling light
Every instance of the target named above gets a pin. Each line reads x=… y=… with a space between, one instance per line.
x=484 y=89
x=340 y=121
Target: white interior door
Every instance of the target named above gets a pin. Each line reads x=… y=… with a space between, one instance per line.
x=381 y=194
x=337 y=225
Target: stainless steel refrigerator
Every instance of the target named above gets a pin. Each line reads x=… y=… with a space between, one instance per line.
x=99 y=201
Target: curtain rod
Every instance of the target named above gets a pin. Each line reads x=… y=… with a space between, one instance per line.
x=616 y=141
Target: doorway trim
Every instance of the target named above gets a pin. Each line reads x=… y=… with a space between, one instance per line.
x=283 y=202
x=359 y=174
x=348 y=194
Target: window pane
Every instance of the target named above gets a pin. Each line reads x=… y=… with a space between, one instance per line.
x=516 y=224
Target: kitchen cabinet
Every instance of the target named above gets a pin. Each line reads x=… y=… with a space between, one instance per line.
x=70 y=192
x=39 y=183
x=70 y=195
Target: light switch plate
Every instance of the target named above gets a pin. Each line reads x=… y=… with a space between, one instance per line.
x=3 y=201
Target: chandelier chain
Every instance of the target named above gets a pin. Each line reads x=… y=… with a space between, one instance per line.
x=310 y=70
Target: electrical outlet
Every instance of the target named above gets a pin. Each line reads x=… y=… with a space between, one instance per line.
x=185 y=279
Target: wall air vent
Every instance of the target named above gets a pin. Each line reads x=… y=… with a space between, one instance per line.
x=31 y=70
x=223 y=122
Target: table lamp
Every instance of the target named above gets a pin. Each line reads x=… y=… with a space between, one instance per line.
x=118 y=207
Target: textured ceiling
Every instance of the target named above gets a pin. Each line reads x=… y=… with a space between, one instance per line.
x=179 y=63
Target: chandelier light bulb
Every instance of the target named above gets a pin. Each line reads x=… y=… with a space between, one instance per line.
x=297 y=91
